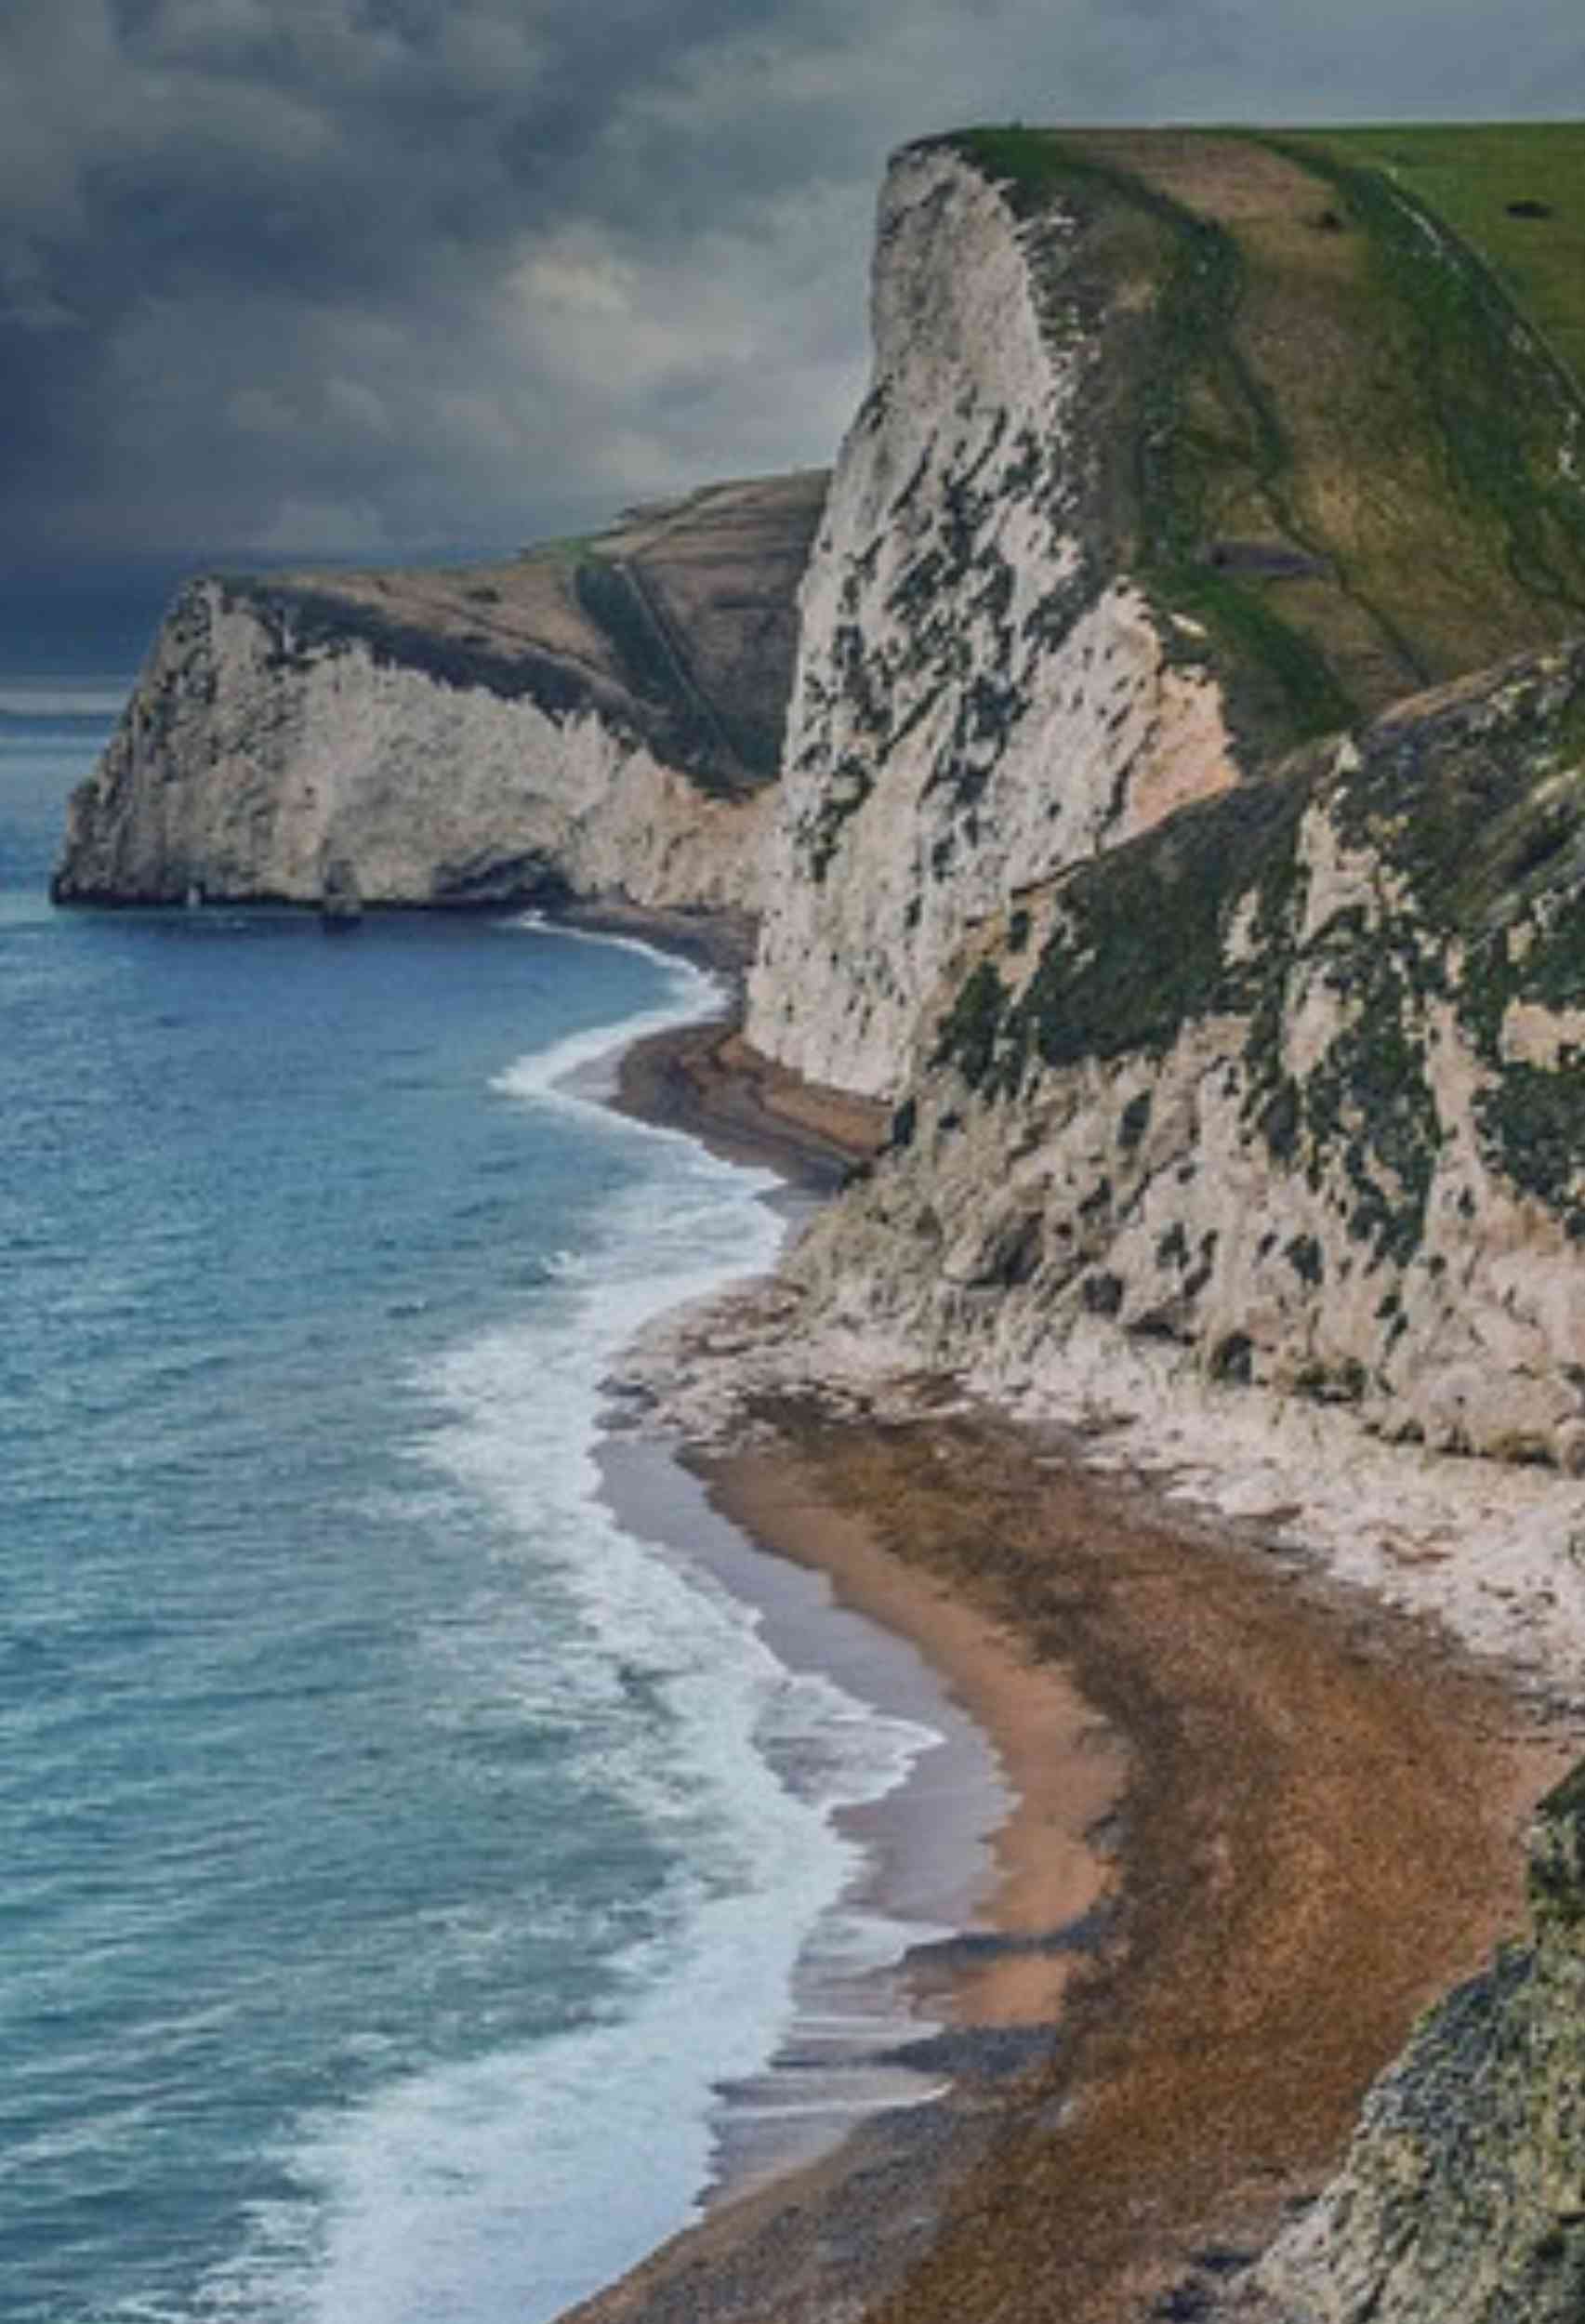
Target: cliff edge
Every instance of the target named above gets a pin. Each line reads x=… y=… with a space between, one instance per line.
x=1182 y=447
x=597 y=718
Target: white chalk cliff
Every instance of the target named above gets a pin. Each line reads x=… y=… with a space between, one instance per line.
x=1280 y=1069
x=983 y=694
x=431 y=793
x=1294 y=1085
x=602 y=722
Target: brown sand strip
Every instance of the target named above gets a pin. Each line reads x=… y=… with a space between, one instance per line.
x=1066 y=1769
x=708 y=1080
x=1320 y=1833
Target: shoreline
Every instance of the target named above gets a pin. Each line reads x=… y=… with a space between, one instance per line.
x=1289 y=1761
x=998 y=1868
x=1185 y=2075
x=976 y=1868
x=1048 y=1873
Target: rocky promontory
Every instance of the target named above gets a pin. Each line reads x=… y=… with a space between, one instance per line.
x=1181 y=448
x=595 y=719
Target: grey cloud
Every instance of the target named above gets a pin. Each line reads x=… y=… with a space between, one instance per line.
x=289 y=276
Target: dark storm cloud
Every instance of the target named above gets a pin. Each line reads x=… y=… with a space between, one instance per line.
x=299 y=276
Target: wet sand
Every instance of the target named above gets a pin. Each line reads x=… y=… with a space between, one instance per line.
x=1304 y=1816
x=1050 y=1874
x=706 y=1079
x=978 y=1876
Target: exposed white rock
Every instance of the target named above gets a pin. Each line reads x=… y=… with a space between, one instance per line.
x=980 y=697
x=239 y=771
x=599 y=719
x=1542 y=1037
x=1245 y=1105
x=1492 y=1553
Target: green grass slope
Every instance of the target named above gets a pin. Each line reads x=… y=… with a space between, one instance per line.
x=1516 y=192
x=1347 y=440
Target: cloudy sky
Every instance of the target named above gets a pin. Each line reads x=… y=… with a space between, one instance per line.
x=387 y=277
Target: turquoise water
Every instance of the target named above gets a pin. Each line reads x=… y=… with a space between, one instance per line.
x=399 y=1853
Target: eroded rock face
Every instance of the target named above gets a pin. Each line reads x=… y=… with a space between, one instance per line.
x=238 y=778
x=603 y=720
x=1462 y=2196
x=983 y=693
x=1295 y=1084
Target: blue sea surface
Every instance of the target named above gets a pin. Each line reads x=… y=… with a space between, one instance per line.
x=398 y=1854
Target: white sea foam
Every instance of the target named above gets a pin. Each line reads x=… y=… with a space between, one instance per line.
x=509 y=2185
x=581 y=1066
x=499 y=2192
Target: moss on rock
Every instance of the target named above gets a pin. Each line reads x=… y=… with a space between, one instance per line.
x=1462 y=2197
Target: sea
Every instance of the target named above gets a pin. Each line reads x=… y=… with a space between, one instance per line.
x=418 y=1865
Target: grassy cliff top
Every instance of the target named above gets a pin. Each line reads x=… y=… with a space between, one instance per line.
x=681 y=622
x=1351 y=429
x=1515 y=193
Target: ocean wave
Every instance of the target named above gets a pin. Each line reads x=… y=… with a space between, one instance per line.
x=581 y=1066
x=512 y=2184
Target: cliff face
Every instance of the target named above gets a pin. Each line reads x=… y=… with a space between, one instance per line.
x=1463 y=2193
x=982 y=693
x=1182 y=447
x=1211 y=1029
x=1270 y=1054
x=1295 y=1083
x=603 y=719
x=252 y=763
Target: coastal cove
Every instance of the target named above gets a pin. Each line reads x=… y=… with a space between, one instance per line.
x=944 y=1474
x=1298 y=1810
x=372 y=1798
x=1314 y=1825
x=1140 y=1760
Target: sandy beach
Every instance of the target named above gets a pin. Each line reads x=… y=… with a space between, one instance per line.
x=1260 y=1820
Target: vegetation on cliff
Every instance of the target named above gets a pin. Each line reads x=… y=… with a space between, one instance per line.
x=1472 y=811
x=679 y=624
x=1348 y=430
x=1353 y=991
